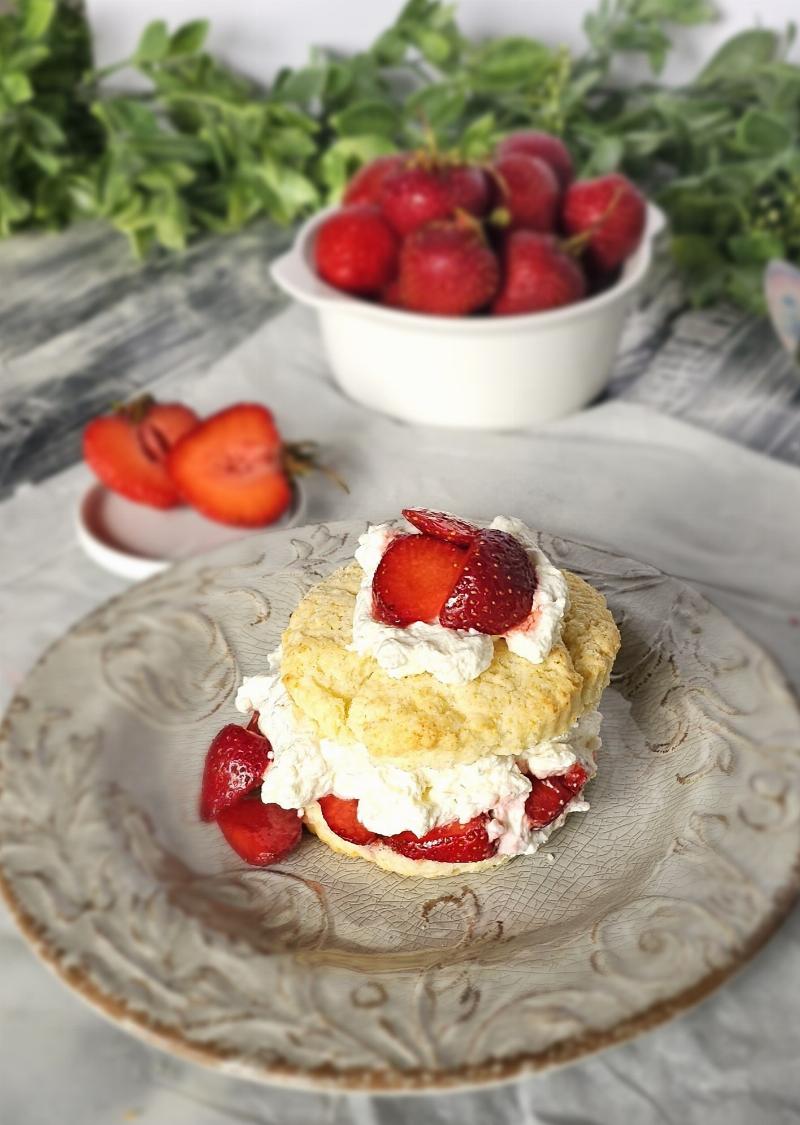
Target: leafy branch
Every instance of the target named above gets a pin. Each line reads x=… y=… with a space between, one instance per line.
x=206 y=149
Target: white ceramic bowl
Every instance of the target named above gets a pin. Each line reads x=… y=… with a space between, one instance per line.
x=504 y=372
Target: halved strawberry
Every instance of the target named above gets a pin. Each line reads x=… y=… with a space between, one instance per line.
x=441 y=525
x=231 y=467
x=550 y=795
x=450 y=843
x=494 y=591
x=261 y=834
x=414 y=578
x=127 y=450
x=235 y=764
x=342 y=816
x=253 y=723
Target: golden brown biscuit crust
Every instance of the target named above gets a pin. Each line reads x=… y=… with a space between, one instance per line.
x=418 y=721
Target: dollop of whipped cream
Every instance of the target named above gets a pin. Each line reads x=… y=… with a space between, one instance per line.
x=455 y=656
x=390 y=799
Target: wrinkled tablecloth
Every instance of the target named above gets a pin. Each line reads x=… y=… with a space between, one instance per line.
x=618 y=475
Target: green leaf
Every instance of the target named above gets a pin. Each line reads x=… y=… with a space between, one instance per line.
x=17 y=88
x=339 y=162
x=507 y=64
x=763 y=133
x=38 y=16
x=189 y=38
x=153 y=44
x=479 y=138
x=740 y=55
x=292 y=192
x=49 y=163
x=368 y=116
x=606 y=154
x=434 y=45
x=755 y=248
x=438 y=106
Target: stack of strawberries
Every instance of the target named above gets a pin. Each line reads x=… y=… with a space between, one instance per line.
x=433 y=234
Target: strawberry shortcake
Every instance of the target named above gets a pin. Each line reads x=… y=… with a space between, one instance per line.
x=432 y=707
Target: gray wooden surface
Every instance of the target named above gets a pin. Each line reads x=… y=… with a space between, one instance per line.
x=82 y=325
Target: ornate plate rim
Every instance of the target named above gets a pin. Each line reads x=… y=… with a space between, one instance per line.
x=414 y=1080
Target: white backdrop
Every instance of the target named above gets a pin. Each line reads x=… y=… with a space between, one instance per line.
x=262 y=35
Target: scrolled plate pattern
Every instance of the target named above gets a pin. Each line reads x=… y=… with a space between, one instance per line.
x=327 y=971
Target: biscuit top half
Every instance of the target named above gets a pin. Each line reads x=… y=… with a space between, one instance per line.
x=418 y=721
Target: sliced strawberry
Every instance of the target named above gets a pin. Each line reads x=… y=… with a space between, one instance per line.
x=494 y=591
x=127 y=450
x=451 y=843
x=253 y=723
x=414 y=578
x=235 y=764
x=441 y=525
x=231 y=467
x=342 y=816
x=261 y=834
x=550 y=795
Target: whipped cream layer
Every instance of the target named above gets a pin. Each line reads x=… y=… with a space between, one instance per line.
x=390 y=799
x=455 y=656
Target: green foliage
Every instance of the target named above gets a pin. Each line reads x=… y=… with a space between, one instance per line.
x=206 y=149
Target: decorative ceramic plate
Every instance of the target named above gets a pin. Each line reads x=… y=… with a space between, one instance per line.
x=326 y=970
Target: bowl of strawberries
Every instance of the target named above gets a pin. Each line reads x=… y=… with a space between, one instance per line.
x=480 y=295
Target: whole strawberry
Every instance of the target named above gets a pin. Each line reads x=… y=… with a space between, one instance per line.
x=356 y=250
x=609 y=212
x=447 y=269
x=425 y=192
x=537 y=275
x=545 y=146
x=365 y=186
x=528 y=192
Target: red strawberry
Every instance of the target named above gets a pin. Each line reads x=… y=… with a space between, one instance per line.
x=366 y=184
x=529 y=192
x=610 y=214
x=235 y=764
x=537 y=275
x=261 y=834
x=423 y=193
x=356 y=250
x=546 y=147
x=494 y=591
x=414 y=578
x=549 y=795
x=441 y=525
x=253 y=723
x=447 y=269
x=342 y=816
x=127 y=449
x=391 y=295
x=231 y=467
x=451 y=843
x=470 y=189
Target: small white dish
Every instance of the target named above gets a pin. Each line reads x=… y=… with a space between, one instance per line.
x=503 y=372
x=135 y=541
